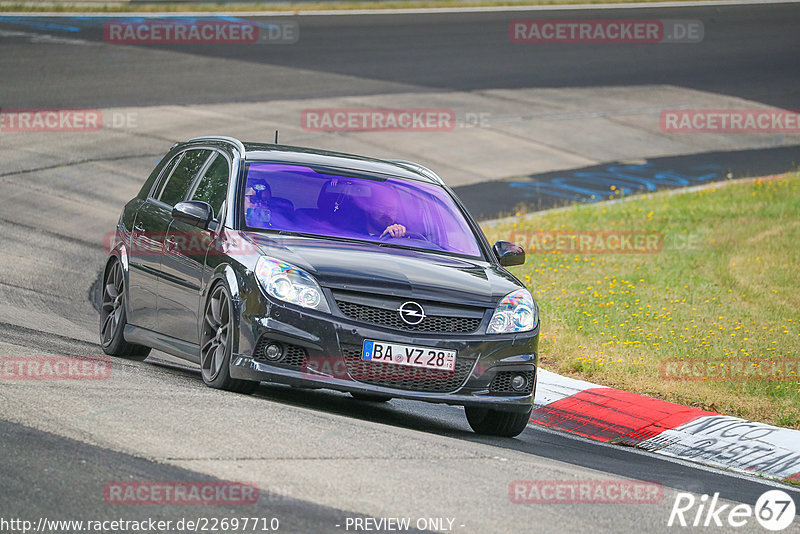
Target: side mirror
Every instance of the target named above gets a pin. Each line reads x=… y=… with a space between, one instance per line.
x=194 y=212
x=509 y=253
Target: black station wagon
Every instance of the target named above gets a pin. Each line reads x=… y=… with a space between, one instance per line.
x=271 y=263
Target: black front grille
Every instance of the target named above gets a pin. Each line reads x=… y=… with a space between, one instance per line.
x=405 y=377
x=391 y=319
x=293 y=356
x=502 y=382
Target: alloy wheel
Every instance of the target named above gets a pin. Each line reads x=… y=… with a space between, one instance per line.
x=113 y=304
x=216 y=334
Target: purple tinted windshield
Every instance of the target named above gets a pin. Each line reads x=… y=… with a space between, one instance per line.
x=299 y=199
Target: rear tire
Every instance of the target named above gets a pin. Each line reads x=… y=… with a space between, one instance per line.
x=497 y=423
x=216 y=341
x=370 y=397
x=113 y=317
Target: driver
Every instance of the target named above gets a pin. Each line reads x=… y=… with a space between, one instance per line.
x=381 y=213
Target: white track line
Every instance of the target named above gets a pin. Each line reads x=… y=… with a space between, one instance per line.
x=410 y=11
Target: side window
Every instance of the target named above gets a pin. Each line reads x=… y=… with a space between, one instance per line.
x=179 y=183
x=163 y=176
x=213 y=187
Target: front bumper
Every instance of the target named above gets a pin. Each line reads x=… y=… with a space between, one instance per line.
x=331 y=345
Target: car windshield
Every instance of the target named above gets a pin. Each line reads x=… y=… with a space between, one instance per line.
x=320 y=202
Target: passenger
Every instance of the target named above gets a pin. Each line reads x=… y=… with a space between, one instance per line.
x=257 y=212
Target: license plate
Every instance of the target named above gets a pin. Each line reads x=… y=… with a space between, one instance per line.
x=410 y=355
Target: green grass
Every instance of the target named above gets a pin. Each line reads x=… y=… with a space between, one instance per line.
x=724 y=288
x=119 y=7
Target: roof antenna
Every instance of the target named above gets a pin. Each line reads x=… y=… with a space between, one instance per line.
x=276 y=137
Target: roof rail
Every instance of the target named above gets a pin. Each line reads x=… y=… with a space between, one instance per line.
x=232 y=140
x=421 y=169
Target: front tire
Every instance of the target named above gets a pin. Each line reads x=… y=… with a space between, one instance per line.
x=497 y=423
x=216 y=342
x=113 y=317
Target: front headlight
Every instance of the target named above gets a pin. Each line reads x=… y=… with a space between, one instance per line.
x=517 y=312
x=290 y=284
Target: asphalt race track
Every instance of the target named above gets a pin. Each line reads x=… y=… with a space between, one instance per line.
x=319 y=458
x=748 y=51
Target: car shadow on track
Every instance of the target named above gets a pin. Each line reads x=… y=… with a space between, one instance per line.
x=438 y=419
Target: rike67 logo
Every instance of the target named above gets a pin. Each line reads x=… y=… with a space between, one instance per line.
x=774 y=510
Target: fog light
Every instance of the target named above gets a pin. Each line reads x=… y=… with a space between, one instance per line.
x=519 y=382
x=273 y=351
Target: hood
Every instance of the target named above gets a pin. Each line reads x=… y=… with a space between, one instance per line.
x=391 y=271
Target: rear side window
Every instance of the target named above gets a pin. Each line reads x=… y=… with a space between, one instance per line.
x=162 y=176
x=147 y=186
x=213 y=187
x=178 y=185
